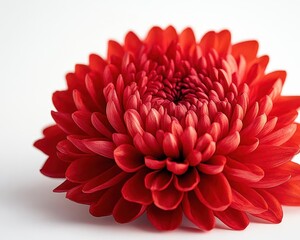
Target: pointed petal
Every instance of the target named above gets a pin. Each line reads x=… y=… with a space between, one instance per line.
x=248 y=49
x=54 y=167
x=214 y=192
x=134 y=189
x=63 y=101
x=188 y=181
x=105 y=180
x=167 y=199
x=128 y=158
x=272 y=178
x=247 y=199
x=287 y=193
x=233 y=218
x=102 y=125
x=65 y=186
x=114 y=117
x=187 y=40
x=274 y=213
x=106 y=203
x=102 y=148
x=121 y=213
x=84 y=169
x=197 y=213
x=176 y=168
x=188 y=140
x=76 y=195
x=170 y=145
x=240 y=172
x=158 y=180
x=133 y=122
x=267 y=156
x=228 y=144
x=279 y=136
x=83 y=121
x=154 y=164
x=214 y=165
x=164 y=220
x=66 y=123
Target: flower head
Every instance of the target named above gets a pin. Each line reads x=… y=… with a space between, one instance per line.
x=172 y=126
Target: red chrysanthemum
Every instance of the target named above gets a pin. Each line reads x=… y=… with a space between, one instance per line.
x=171 y=126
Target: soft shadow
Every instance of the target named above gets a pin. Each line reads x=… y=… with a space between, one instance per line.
x=37 y=200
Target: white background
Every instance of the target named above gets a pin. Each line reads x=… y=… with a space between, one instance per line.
x=42 y=40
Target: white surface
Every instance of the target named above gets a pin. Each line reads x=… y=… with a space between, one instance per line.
x=41 y=40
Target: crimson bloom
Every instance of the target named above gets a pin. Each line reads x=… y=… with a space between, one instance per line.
x=172 y=126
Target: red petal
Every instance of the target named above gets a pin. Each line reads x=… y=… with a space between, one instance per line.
x=224 y=42
x=170 y=36
x=240 y=172
x=248 y=145
x=63 y=101
x=65 y=186
x=105 y=180
x=273 y=177
x=80 y=103
x=132 y=42
x=194 y=158
x=167 y=199
x=158 y=180
x=106 y=202
x=53 y=135
x=187 y=181
x=54 y=167
x=154 y=164
x=233 y=218
x=128 y=158
x=84 y=169
x=164 y=220
x=286 y=103
x=120 y=138
x=76 y=195
x=96 y=63
x=134 y=189
x=102 y=148
x=133 y=122
x=267 y=156
x=66 y=123
x=214 y=192
x=280 y=136
x=81 y=71
x=102 y=125
x=142 y=146
x=228 y=144
x=170 y=145
x=248 y=200
x=176 y=168
x=214 y=165
x=274 y=213
x=152 y=121
x=78 y=142
x=187 y=39
x=121 y=213
x=248 y=49
x=114 y=117
x=83 y=121
x=114 y=49
x=255 y=127
x=154 y=37
x=208 y=42
x=197 y=213
x=287 y=193
x=188 y=140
